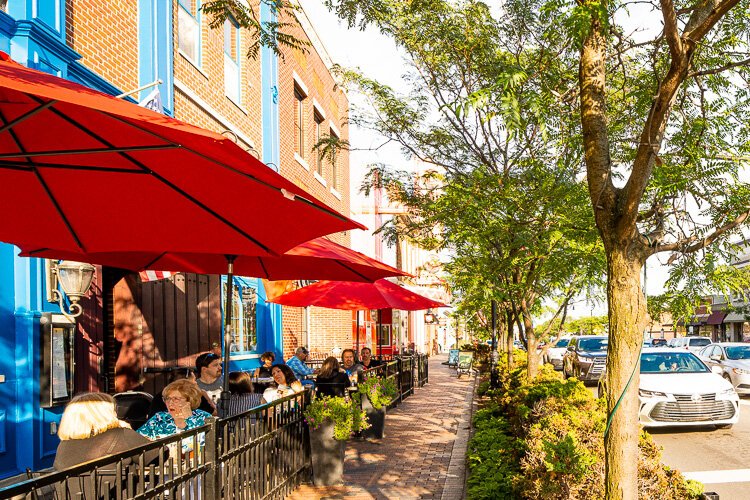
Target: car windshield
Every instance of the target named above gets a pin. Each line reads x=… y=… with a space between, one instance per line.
x=593 y=344
x=700 y=342
x=738 y=352
x=562 y=343
x=671 y=362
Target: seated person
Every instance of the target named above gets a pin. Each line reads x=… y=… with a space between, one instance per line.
x=347 y=363
x=366 y=360
x=157 y=404
x=89 y=429
x=182 y=398
x=285 y=384
x=208 y=369
x=264 y=370
x=299 y=368
x=331 y=380
x=242 y=396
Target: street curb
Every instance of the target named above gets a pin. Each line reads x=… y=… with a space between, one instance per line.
x=457 y=468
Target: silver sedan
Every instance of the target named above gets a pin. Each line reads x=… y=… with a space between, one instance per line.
x=734 y=360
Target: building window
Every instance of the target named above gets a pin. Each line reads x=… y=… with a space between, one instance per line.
x=318 y=137
x=189 y=29
x=244 y=320
x=334 y=160
x=299 y=122
x=232 y=84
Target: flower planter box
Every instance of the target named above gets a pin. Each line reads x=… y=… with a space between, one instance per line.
x=327 y=456
x=376 y=419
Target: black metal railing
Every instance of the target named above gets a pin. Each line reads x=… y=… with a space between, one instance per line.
x=260 y=454
x=263 y=453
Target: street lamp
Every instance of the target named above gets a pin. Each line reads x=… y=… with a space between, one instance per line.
x=74 y=278
x=429 y=317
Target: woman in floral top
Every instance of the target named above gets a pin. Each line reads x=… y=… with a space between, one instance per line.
x=182 y=398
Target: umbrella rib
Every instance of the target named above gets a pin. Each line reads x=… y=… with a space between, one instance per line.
x=165 y=181
x=349 y=268
x=88 y=151
x=229 y=167
x=263 y=266
x=44 y=105
x=10 y=165
x=154 y=260
x=40 y=179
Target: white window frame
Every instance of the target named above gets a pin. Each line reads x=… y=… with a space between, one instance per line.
x=183 y=8
x=233 y=66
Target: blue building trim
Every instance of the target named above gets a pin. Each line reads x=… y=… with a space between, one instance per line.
x=269 y=75
x=155 y=51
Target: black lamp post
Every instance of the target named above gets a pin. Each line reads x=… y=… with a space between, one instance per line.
x=493 y=352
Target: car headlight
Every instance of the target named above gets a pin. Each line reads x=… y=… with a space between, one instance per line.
x=740 y=371
x=651 y=394
x=727 y=392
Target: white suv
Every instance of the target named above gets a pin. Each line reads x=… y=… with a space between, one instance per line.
x=694 y=344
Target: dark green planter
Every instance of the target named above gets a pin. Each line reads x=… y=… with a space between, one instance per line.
x=327 y=456
x=376 y=419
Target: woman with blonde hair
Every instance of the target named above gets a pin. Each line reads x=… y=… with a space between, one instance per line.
x=90 y=429
x=182 y=398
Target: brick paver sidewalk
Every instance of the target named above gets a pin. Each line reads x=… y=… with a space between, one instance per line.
x=423 y=453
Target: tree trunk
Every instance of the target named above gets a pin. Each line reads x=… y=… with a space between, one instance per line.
x=509 y=340
x=627 y=318
x=532 y=367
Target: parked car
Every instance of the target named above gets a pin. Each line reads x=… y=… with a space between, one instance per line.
x=678 y=389
x=518 y=345
x=556 y=352
x=733 y=358
x=585 y=357
x=658 y=342
x=694 y=344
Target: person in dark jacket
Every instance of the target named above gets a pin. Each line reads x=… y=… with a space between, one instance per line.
x=89 y=429
x=157 y=404
x=331 y=381
x=365 y=359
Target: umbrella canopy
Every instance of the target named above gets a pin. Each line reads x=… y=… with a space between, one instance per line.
x=357 y=296
x=316 y=259
x=81 y=171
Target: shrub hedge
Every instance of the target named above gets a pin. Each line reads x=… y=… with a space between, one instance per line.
x=544 y=440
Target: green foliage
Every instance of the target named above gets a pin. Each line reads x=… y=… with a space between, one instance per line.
x=271 y=34
x=347 y=417
x=380 y=391
x=544 y=440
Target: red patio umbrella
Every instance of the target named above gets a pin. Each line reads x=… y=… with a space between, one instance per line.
x=82 y=171
x=316 y=259
x=352 y=296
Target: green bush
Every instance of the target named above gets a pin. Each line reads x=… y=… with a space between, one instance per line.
x=346 y=416
x=544 y=440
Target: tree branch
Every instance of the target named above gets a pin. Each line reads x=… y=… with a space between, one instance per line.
x=720 y=69
x=693 y=243
x=670 y=28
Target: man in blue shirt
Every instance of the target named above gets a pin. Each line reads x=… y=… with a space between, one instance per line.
x=298 y=366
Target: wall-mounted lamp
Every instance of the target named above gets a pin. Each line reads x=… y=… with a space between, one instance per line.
x=74 y=279
x=430 y=318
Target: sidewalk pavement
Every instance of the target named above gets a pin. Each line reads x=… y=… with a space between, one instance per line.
x=423 y=454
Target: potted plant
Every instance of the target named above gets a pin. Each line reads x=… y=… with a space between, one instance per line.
x=374 y=395
x=331 y=420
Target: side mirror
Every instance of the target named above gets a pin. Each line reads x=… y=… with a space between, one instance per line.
x=715 y=357
x=717 y=370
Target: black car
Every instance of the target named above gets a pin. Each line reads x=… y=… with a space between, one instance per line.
x=586 y=357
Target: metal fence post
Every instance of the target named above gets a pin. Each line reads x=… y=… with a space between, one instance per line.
x=212 y=488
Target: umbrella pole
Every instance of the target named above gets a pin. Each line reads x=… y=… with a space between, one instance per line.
x=357 y=333
x=225 y=395
x=379 y=337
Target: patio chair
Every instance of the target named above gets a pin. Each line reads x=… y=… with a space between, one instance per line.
x=133 y=406
x=452 y=358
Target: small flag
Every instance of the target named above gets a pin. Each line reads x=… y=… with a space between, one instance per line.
x=153 y=101
x=155 y=275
